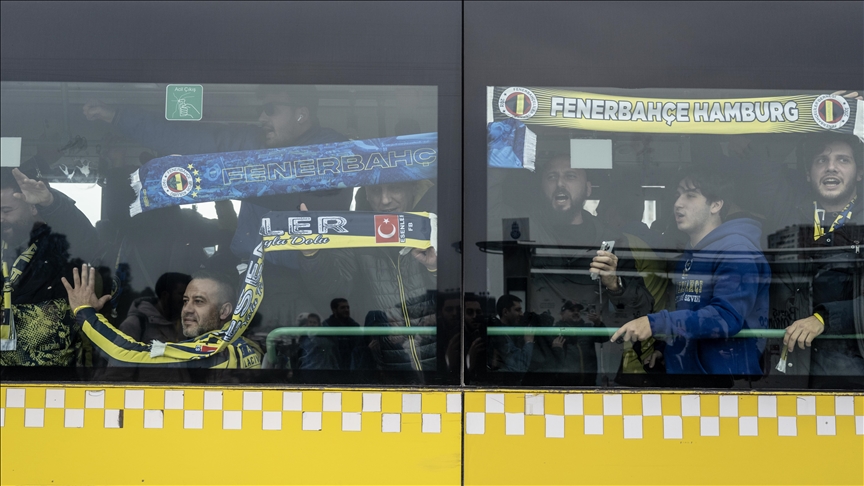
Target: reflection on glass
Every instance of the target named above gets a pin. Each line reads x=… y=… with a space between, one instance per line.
x=301 y=158
x=735 y=250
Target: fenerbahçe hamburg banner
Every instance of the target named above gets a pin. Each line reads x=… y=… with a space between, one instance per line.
x=573 y=109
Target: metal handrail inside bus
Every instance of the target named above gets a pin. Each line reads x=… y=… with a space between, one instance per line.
x=283 y=332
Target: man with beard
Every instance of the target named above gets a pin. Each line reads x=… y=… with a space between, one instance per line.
x=38 y=225
x=832 y=219
x=564 y=223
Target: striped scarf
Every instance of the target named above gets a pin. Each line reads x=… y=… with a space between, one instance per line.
x=340 y=229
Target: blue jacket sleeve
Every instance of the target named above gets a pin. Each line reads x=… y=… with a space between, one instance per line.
x=733 y=297
x=185 y=138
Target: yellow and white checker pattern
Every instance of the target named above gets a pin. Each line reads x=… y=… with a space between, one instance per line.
x=430 y=436
x=115 y=408
x=162 y=435
x=741 y=415
x=669 y=437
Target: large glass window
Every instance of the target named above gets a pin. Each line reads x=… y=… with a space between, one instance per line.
x=751 y=233
x=729 y=210
x=284 y=227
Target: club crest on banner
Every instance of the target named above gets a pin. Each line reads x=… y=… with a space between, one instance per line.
x=518 y=103
x=177 y=182
x=831 y=111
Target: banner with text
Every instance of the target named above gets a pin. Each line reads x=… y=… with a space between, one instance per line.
x=190 y=179
x=574 y=109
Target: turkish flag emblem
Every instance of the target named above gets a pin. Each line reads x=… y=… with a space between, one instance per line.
x=386 y=228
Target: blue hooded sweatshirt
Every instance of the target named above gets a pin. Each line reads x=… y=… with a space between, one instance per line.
x=721 y=287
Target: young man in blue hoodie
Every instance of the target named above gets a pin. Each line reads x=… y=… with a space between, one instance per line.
x=721 y=287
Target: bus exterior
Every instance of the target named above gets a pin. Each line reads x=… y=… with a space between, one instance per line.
x=432 y=243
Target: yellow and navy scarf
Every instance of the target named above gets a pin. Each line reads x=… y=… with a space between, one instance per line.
x=8 y=336
x=339 y=229
x=841 y=219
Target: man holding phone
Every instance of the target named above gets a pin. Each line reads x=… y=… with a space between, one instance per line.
x=620 y=294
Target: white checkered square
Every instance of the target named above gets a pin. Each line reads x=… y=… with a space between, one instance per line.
x=34 y=417
x=573 y=404
x=153 y=419
x=15 y=397
x=2 y=417
x=767 y=406
x=475 y=423
x=806 y=405
x=494 y=403
x=673 y=427
x=534 y=404
x=431 y=423
x=292 y=401
x=514 y=423
x=454 y=403
x=174 y=399
x=351 y=421
x=112 y=419
x=232 y=420
x=632 y=426
x=612 y=405
x=253 y=400
x=371 y=402
x=787 y=426
x=844 y=405
x=134 y=399
x=748 y=426
x=271 y=420
x=55 y=398
x=212 y=400
x=826 y=425
x=593 y=425
x=651 y=406
x=73 y=418
x=412 y=403
x=193 y=419
x=729 y=405
x=859 y=424
x=555 y=426
x=332 y=402
x=94 y=399
x=391 y=422
x=690 y=406
x=312 y=421
x=709 y=426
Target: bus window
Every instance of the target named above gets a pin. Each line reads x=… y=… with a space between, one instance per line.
x=672 y=238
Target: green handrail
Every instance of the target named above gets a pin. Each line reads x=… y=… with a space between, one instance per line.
x=281 y=332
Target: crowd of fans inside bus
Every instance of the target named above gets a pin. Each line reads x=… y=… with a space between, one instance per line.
x=150 y=277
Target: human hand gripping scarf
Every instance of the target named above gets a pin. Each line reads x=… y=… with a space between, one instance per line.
x=280 y=231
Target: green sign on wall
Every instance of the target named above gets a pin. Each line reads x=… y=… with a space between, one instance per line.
x=184 y=102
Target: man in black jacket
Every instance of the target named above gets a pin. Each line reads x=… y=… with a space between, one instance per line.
x=563 y=223
x=832 y=221
x=399 y=283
